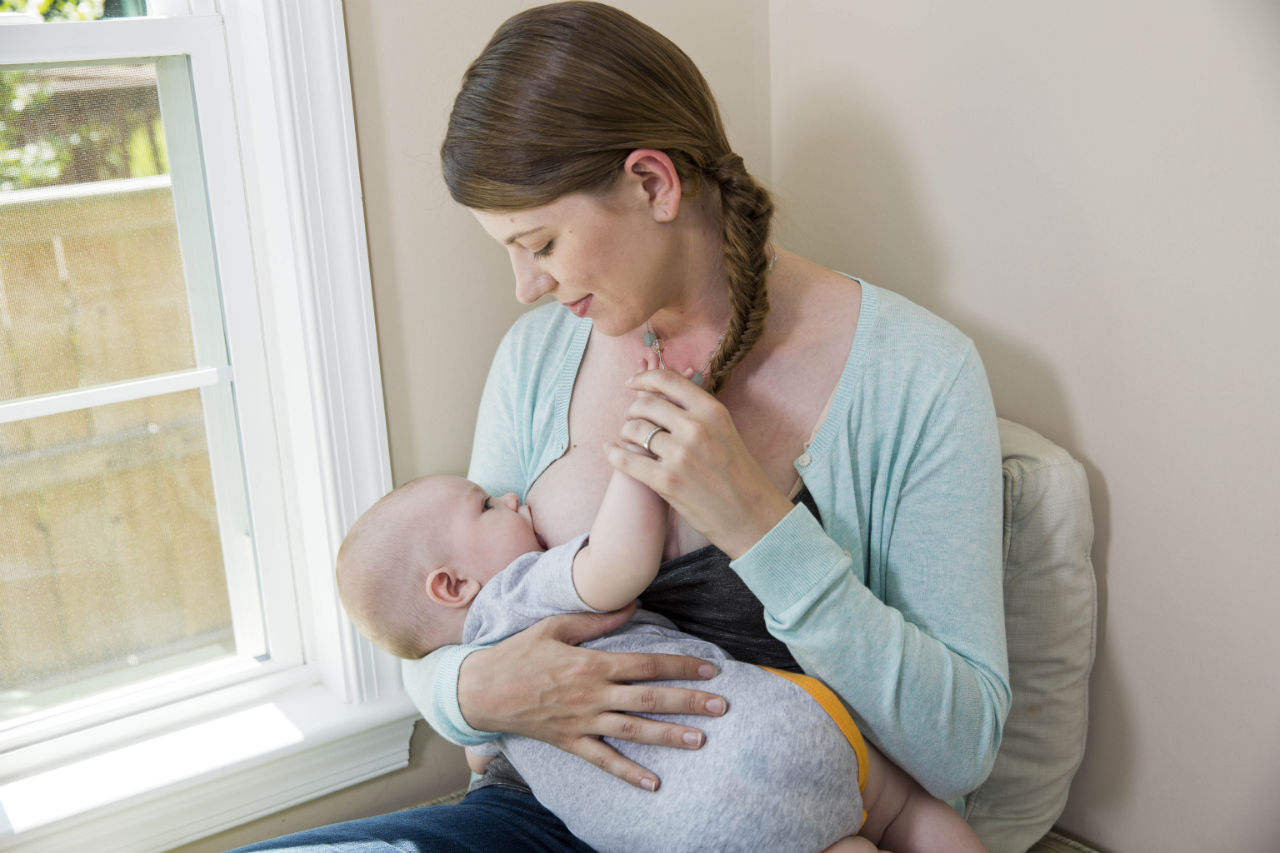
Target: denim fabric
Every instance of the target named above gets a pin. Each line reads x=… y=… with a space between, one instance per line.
x=488 y=820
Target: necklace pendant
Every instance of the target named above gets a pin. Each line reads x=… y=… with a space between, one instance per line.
x=697 y=378
x=650 y=339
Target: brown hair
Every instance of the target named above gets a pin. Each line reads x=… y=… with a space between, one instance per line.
x=559 y=98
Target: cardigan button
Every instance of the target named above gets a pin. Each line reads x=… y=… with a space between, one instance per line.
x=804 y=460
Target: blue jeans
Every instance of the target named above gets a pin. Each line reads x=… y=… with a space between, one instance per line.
x=488 y=820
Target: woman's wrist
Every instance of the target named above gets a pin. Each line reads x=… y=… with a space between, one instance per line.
x=791 y=560
x=471 y=695
x=760 y=517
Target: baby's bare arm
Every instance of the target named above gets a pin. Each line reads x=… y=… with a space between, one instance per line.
x=625 y=547
x=622 y=555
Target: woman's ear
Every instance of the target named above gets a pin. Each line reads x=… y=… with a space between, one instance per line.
x=448 y=588
x=656 y=175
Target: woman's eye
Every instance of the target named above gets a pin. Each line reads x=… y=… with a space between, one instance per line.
x=545 y=250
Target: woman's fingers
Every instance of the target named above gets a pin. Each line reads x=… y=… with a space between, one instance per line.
x=697 y=462
x=643 y=697
x=611 y=761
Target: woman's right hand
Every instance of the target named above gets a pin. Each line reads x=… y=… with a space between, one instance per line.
x=539 y=684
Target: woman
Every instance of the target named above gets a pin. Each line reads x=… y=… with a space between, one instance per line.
x=841 y=450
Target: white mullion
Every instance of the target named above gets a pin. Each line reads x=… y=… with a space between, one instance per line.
x=79 y=192
x=253 y=455
x=116 y=392
x=187 y=177
x=104 y=41
x=178 y=111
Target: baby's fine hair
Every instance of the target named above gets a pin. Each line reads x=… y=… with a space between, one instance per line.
x=382 y=568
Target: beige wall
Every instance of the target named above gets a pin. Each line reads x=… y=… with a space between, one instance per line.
x=1089 y=190
x=1092 y=191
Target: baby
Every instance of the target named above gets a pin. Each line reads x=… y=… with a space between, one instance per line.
x=438 y=561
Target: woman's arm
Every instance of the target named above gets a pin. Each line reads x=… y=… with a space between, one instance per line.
x=920 y=656
x=919 y=648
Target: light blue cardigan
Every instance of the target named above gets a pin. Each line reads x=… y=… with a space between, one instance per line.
x=895 y=600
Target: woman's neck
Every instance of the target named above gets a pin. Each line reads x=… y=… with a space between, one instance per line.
x=697 y=303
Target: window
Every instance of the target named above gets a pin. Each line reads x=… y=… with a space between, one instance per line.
x=130 y=553
x=181 y=447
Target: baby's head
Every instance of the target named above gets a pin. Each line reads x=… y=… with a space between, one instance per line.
x=412 y=564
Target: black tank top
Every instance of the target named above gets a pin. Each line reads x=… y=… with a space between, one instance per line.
x=704 y=597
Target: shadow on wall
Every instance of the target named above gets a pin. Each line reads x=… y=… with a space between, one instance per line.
x=849 y=198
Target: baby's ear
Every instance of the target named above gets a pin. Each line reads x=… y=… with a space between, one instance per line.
x=447 y=587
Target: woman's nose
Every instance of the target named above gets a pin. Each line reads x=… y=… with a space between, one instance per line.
x=531 y=282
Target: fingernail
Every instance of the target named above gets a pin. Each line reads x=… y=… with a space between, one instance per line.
x=649 y=784
x=706 y=671
x=716 y=706
x=693 y=738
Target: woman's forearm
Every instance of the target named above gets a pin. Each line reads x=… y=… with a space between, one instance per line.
x=935 y=705
x=432 y=684
x=901 y=610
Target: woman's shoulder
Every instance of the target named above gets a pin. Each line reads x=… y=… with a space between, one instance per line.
x=904 y=361
x=904 y=339
x=911 y=326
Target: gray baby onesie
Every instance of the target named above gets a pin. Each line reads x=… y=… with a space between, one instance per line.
x=775 y=773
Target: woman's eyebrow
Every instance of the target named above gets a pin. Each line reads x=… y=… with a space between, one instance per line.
x=519 y=234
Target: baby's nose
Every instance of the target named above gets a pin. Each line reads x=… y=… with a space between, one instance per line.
x=510 y=500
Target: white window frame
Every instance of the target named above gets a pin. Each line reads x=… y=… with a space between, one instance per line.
x=329 y=711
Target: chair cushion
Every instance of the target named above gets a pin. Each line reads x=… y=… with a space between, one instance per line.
x=1050 y=618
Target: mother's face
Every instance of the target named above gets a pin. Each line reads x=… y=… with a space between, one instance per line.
x=604 y=256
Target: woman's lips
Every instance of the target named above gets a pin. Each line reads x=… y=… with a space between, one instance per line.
x=580 y=307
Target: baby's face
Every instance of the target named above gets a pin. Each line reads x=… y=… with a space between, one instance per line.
x=487 y=533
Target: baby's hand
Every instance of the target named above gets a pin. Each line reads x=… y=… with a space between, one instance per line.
x=650 y=362
x=476 y=762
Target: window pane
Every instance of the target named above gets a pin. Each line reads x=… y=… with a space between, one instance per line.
x=112 y=566
x=125 y=548
x=91 y=282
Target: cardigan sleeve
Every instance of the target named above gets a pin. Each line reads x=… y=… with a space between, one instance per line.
x=907 y=625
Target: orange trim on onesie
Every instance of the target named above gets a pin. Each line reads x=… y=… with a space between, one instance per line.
x=830 y=702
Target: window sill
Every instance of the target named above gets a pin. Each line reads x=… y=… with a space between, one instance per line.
x=184 y=784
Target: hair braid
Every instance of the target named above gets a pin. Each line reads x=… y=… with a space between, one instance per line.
x=746 y=211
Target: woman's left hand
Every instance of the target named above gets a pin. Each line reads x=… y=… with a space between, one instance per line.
x=697 y=462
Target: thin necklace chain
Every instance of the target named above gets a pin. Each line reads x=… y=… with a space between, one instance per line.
x=655 y=343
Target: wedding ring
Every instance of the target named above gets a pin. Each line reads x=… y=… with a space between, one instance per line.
x=648 y=438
